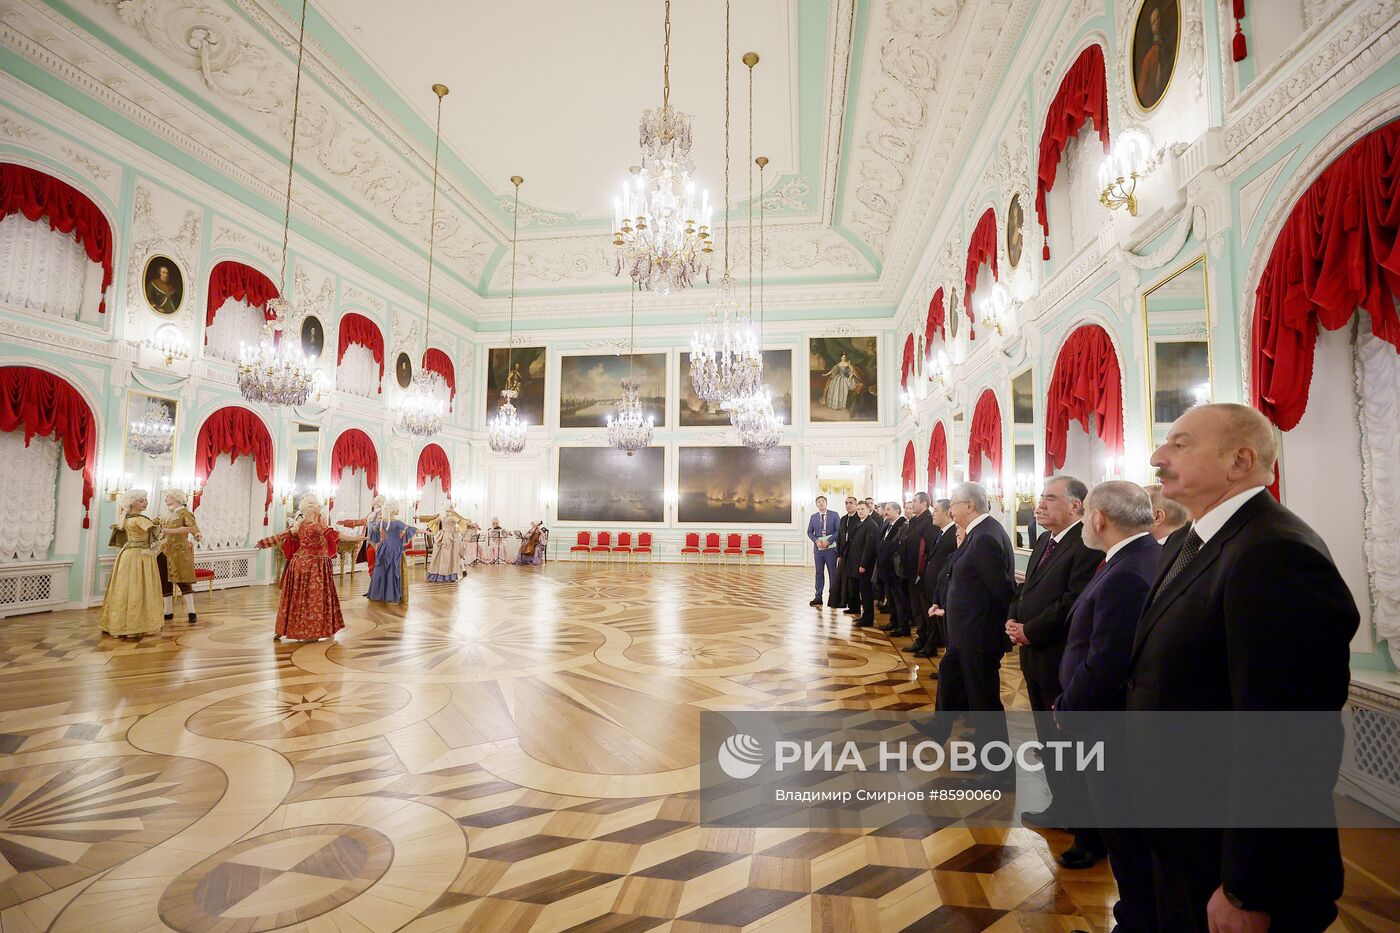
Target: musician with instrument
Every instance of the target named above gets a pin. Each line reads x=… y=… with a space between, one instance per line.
x=533 y=545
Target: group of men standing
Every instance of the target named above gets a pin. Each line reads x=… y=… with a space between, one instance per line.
x=1202 y=594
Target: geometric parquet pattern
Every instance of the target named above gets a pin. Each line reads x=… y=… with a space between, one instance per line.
x=516 y=752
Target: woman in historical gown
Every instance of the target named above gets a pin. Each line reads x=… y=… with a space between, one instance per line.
x=533 y=545
x=841 y=381
x=495 y=543
x=176 y=560
x=131 y=606
x=449 y=531
x=390 y=538
x=310 y=606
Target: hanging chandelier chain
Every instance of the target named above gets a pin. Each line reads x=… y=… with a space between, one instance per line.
x=726 y=138
x=666 y=62
x=746 y=61
x=292 y=154
x=632 y=333
x=441 y=92
x=762 y=164
x=514 y=239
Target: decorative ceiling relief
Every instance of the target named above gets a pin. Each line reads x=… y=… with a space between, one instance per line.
x=225 y=236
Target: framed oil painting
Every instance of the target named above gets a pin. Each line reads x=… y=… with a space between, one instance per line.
x=590 y=387
x=777 y=376
x=843 y=379
x=1156 y=39
x=734 y=485
x=313 y=337
x=521 y=369
x=1022 y=399
x=603 y=484
x=163 y=285
x=1015 y=231
x=403 y=370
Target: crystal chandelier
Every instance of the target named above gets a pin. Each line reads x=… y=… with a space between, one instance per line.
x=153 y=435
x=758 y=425
x=271 y=372
x=506 y=432
x=631 y=430
x=661 y=227
x=421 y=409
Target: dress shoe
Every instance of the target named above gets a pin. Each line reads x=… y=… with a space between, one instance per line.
x=169 y=616
x=852 y=612
x=816 y=602
x=193 y=618
x=864 y=623
x=1045 y=819
x=1075 y=858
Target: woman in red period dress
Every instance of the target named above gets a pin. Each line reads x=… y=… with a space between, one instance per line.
x=310 y=607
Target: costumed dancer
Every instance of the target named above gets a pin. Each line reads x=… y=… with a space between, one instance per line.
x=367 y=549
x=532 y=547
x=131 y=607
x=495 y=550
x=449 y=531
x=176 y=560
x=310 y=606
x=390 y=538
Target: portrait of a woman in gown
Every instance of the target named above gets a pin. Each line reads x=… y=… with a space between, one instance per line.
x=841 y=381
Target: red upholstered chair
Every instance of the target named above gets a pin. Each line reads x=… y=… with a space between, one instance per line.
x=692 y=545
x=755 y=547
x=624 y=544
x=604 y=545
x=584 y=544
x=734 y=545
x=204 y=573
x=644 y=545
x=711 y=545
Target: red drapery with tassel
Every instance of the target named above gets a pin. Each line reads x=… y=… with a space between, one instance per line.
x=1083 y=95
x=1086 y=381
x=938 y=460
x=437 y=361
x=234 y=280
x=354 y=450
x=46 y=405
x=984 y=437
x=432 y=461
x=358 y=329
x=906 y=365
x=1337 y=252
x=239 y=432
x=909 y=470
x=1239 y=48
x=42 y=197
x=934 y=321
x=981 y=247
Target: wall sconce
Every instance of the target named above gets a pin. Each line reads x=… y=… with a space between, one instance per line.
x=117 y=483
x=1025 y=490
x=995 y=307
x=169 y=343
x=910 y=403
x=1113 y=467
x=286 y=494
x=1131 y=159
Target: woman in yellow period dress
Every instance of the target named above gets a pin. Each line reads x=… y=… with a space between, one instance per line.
x=176 y=560
x=132 y=605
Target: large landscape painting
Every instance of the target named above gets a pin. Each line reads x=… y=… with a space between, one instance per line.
x=842 y=379
x=602 y=484
x=777 y=376
x=735 y=485
x=590 y=387
x=522 y=368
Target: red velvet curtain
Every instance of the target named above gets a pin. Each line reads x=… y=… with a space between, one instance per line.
x=934 y=322
x=239 y=432
x=356 y=328
x=39 y=196
x=234 y=280
x=1086 y=381
x=909 y=470
x=1083 y=95
x=906 y=366
x=981 y=247
x=437 y=361
x=984 y=437
x=354 y=450
x=937 y=459
x=432 y=461
x=1337 y=252
x=44 y=405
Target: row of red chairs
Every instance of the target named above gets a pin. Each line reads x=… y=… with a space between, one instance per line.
x=734 y=545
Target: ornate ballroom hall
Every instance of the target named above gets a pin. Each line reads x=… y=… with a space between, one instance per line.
x=413 y=420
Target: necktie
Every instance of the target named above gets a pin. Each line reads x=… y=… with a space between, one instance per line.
x=1045 y=555
x=1188 y=552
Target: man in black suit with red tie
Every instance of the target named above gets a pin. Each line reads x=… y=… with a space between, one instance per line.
x=1248 y=612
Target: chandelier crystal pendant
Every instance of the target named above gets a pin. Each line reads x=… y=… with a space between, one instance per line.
x=661 y=225
x=273 y=372
x=154 y=434
x=421 y=408
x=758 y=425
x=506 y=432
x=631 y=429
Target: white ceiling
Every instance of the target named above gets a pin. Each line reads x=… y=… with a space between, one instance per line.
x=554 y=90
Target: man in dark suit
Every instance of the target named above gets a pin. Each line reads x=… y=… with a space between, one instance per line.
x=1248 y=612
x=980 y=586
x=1094 y=672
x=840 y=597
x=860 y=565
x=1168 y=515
x=931 y=633
x=1059 y=568
x=919 y=541
x=887 y=570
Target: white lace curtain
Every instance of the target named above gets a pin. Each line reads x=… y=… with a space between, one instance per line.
x=352 y=495
x=226 y=504
x=1378 y=368
x=1079 y=166
x=28 y=496
x=41 y=270
x=433 y=497
x=358 y=371
x=235 y=323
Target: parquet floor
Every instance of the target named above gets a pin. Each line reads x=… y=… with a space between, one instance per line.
x=515 y=752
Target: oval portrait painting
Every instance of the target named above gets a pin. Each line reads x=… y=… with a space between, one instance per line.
x=954 y=312
x=1015 y=235
x=403 y=370
x=313 y=337
x=1156 y=37
x=163 y=285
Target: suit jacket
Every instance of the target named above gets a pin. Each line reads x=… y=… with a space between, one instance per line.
x=939 y=556
x=860 y=552
x=1102 y=622
x=885 y=548
x=1260 y=620
x=816 y=527
x=981 y=583
x=1043 y=602
x=921 y=528
x=843 y=533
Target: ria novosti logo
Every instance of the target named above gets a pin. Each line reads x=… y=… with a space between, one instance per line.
x=740 y=756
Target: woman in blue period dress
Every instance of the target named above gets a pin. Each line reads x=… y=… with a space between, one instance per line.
x=131 y=607
x=841 y=381
x=390 y=538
